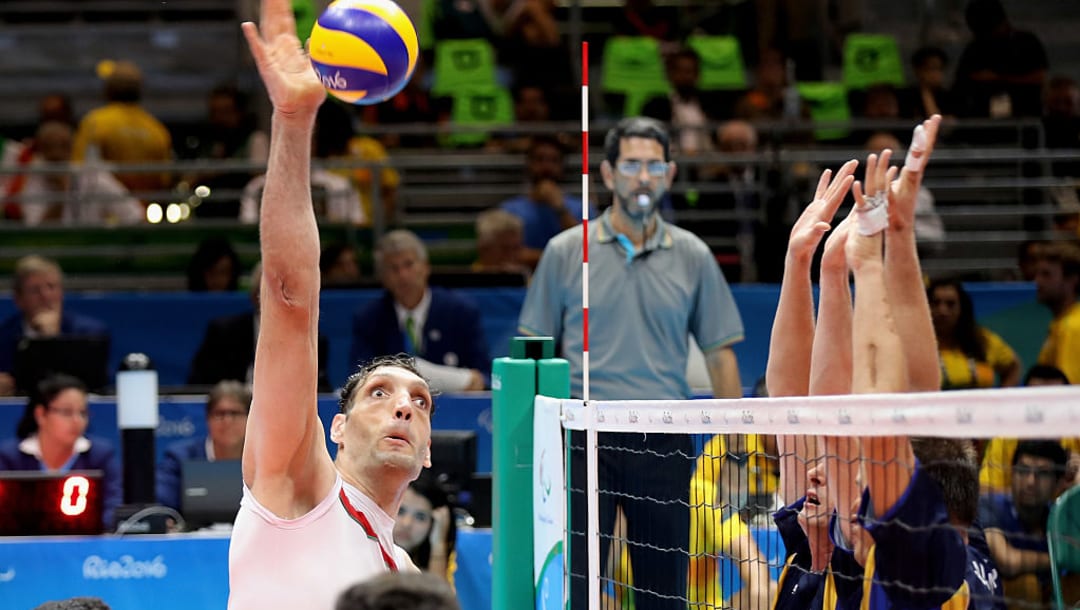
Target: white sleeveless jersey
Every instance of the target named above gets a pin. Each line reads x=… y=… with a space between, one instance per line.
x=308 y=561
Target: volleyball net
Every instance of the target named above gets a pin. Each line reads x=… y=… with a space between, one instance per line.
x=694 y=500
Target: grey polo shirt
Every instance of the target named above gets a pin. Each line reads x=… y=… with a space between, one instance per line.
x=642 y=307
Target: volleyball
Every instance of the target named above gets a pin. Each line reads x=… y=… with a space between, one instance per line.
x=364 y=51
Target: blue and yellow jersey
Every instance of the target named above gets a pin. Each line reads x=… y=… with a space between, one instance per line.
x=918 y=559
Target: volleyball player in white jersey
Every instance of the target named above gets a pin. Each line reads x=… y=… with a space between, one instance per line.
x=308 y=526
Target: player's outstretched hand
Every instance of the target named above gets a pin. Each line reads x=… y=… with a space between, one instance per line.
x=905 y=191
x=814 y=221
x=293 y=85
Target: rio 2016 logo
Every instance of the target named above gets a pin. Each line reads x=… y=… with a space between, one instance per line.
x=337 y=81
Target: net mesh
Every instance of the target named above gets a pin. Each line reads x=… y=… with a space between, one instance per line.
x=700 y=504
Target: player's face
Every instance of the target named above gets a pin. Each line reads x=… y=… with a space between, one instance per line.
x=64 y=419
x=640 y=175
x=389 y=423
x=945 y=309
x=405 y=275
x=860 y=539
x=817 y=510
x=413 y=523
x=227 y=422
x=39 y=292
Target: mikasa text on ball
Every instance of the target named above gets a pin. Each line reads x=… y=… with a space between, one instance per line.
x=363 y=50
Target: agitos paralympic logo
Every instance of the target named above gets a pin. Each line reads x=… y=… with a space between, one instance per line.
x=545 y=477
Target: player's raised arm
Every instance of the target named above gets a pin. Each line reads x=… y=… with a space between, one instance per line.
x=788 y=370
x=286 y=463
x=879 y=354
x=903 y=274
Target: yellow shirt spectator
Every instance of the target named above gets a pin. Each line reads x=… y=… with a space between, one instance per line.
x=1062 y=346
x=960 y=371
x=123 y=132
x=364 y=148
x=996 y=472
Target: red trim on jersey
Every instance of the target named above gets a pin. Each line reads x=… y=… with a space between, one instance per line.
x=362 y=519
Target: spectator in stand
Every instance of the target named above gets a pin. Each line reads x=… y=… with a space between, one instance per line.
x=531 y=110
x=1027 y=258
x=971 y=356
x=227 y=408
x=995 y=475
x=928 y=96
x=338 y=266
x=686 y=109
x=500 y=237
x=644 y=18
x=335 y=139
x=411 y=106
x=38 y=293
x=1061 y=124
x=1057 y=283
x=227 y=350
x=532 y=43
x=13 y=153
x=50 y=437
x=545 y=209
x=215 y=267
x=333 y=194
x=1015 y=521
x=88 y=196
x=122 y=131
x=56 y=107
x=467 y=19
x=438 y=326
x=425 y=527
x=229 y=132
x=1002 y=70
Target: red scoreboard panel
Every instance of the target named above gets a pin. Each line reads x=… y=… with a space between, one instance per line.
x=36 y=503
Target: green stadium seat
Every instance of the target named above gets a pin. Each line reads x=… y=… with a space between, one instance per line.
x=479 y=105
x=722 y=66
x=870 y=59
x=463 y=63
x=632 y=67
x=828 y=103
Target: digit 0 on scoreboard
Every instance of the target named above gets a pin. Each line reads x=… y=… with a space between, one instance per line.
x=73 y=502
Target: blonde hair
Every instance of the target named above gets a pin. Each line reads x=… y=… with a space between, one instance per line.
x=34 y=265
x=494 y=222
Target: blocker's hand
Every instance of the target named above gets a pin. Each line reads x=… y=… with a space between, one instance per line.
x=905 y=191
x=293 y=85
x=814 y=221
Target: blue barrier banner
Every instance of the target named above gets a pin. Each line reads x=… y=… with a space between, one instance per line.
x=472 y=578
x=168 y=327
x=173 y=572
x=176 y=572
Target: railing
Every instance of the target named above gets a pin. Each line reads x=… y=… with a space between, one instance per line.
x=989 y=198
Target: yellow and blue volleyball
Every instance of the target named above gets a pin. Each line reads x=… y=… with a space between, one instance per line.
x=364 y=51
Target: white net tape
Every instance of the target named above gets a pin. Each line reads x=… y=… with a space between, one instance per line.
x=733 y=556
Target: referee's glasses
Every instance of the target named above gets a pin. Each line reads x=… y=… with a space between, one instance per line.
x=632 y=168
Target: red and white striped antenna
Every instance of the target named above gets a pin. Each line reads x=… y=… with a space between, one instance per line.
x=585 y=221
x=592 y=528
